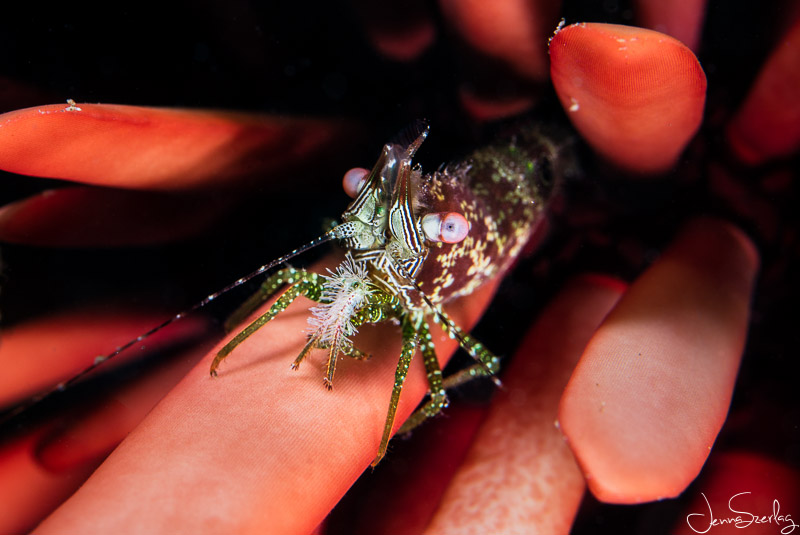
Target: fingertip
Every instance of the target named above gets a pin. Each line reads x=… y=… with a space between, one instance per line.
x=512 y=32
x=401 y=32
x=652 y=390
x=767 y=125
x=635 y=95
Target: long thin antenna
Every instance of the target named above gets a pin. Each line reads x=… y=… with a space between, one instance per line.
x=335 y=232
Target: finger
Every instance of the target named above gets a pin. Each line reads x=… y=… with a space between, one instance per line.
x=653 y=387
x=513 y=32
x=157 y=148
x=46 y=456
x=636 y=96
x=261 y=447
x=504 y=57
x=519 y=475
x=767 y=126
x=681 y=20
x=401 y=32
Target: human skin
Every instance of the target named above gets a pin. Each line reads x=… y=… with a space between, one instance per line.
x=279 y=450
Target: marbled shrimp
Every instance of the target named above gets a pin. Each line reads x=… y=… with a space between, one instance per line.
x=414 y=242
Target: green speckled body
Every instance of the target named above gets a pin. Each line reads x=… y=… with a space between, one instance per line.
x=502 y=190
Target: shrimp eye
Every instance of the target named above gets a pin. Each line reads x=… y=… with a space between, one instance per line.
x=447 y=227
x=354 y=180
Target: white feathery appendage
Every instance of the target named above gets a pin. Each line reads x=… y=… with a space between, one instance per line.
x=345 y=291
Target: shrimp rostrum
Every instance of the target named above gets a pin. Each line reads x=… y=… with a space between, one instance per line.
x=414 y=242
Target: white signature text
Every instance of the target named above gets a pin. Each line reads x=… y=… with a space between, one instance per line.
x=703 y=522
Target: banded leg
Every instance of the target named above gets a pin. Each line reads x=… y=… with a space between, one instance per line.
x=409 y=347
x=267 y=289
x=355 y=353
x=347 y=349
x=313 y=342
x=487 y=366
x=488 y=363
x=333 y=356
x=468 y=374
x=308 y=285
x=382 y=308
x=438 y=396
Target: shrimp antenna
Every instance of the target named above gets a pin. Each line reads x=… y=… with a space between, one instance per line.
x=336 y=232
